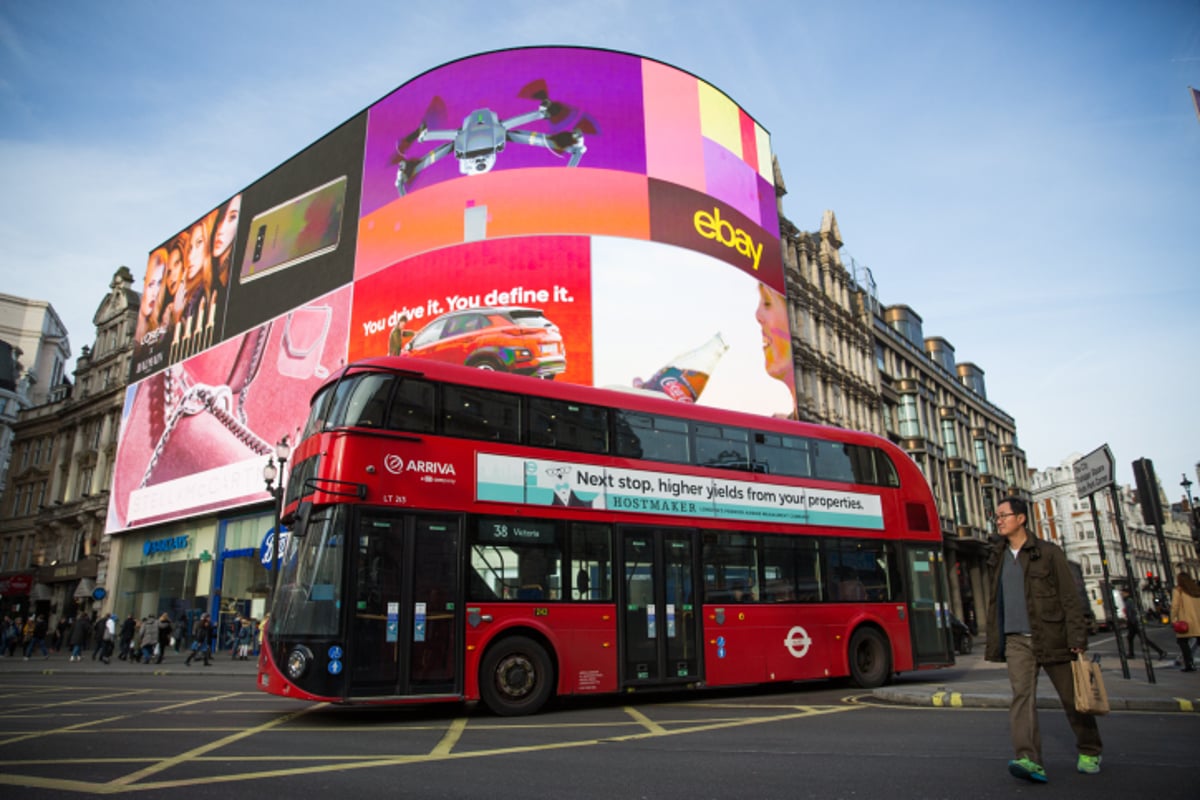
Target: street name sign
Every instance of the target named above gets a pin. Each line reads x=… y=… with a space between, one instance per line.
x=1094 y=471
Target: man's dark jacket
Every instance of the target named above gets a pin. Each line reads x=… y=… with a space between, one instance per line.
x=1055 y=608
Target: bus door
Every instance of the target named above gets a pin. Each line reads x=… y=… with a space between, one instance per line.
x=929 y=608
x=659 y=621
x=405 y=621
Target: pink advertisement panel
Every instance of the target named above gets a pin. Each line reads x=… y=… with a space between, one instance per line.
x=195 y=436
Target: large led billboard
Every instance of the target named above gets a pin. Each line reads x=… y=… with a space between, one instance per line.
x=568 y=213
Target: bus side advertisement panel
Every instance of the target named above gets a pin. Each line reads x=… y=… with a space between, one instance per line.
x=538 y=482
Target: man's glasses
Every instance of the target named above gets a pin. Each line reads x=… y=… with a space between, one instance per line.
x=1000 y=517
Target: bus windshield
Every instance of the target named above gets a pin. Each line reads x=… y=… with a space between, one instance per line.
x=310 y=578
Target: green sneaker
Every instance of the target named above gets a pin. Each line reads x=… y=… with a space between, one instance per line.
x=1089 y=765
x=1029 y=769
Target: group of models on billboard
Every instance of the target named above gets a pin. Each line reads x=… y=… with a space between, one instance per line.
x=566 y=213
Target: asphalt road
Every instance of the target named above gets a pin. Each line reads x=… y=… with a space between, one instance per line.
x=205 y=735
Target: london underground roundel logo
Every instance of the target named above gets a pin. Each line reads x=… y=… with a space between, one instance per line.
x=797 y=642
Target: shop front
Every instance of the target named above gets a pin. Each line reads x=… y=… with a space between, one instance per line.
x=15 y=589
x=194 y=566
x=67 y=588
x=240 y=576
x=166 y=569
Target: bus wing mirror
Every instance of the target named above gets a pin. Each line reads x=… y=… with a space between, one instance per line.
x=303 y=513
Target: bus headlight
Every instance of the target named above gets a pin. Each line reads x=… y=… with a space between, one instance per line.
x=298 y=662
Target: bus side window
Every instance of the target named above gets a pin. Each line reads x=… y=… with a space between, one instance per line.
x=720 y=446
x=862 y=571
x=412 y=406
x=591 y=561
x=515 y=559
x=652 y=437
x=368 y=404
x=782 y=455
x=831 y=461
x=568 y=426
x=730 y=562
x=885 y=470
x=862 y=461
x=481 y=414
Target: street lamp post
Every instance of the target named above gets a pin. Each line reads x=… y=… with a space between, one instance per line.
x=1192 y=516
x=276 y=490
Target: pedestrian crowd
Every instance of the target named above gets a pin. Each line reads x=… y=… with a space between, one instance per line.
x=145 y=641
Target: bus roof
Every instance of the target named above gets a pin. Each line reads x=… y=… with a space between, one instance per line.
x=630 y=400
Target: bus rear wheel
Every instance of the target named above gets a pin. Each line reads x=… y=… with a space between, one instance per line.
x=516 y=677
x=870 y=658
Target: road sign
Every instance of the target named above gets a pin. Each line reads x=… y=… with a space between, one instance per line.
x=1094 y=471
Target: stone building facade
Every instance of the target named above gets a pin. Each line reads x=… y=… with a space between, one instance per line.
x=56 y=499
x=866 y=366
x=34 y=351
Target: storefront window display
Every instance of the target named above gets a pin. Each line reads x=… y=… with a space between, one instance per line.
x=166 y=570
x=241 y=579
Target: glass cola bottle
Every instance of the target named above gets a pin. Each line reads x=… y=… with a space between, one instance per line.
x=685 y=377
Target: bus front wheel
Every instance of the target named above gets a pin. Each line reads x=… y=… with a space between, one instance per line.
x=870 y=658
x=516 y=677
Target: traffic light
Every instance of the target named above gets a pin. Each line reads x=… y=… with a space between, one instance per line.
x=1147 y=489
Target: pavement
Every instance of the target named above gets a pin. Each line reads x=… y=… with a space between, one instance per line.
x=971 y=683
x=173 y=664
x=975 y=683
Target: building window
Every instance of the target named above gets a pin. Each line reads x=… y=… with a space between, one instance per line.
x=885 y=411
x=910 y=423
x=981 y=461
x=960 y=499
x=76 y=552
x=948 y=438
x=85 y=481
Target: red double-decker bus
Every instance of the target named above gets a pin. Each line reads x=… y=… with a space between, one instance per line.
x=463 y=534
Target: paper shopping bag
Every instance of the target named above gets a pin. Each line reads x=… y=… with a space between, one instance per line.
x=1090 y=695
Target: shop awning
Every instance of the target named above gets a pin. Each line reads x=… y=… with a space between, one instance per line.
x=85 y=588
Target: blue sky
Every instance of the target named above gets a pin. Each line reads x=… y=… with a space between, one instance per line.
x=1022 y=174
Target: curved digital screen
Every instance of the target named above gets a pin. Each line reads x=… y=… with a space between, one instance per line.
x=566 y=213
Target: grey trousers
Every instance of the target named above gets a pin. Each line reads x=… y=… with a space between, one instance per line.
x=1022 y=714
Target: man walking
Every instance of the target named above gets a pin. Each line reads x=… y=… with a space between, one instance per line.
x=109 y=637
x=38 y=639
x=1035 y=621
x=1133 y=627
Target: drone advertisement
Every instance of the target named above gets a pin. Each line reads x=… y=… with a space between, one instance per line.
x=566 y=213
x=519 y=179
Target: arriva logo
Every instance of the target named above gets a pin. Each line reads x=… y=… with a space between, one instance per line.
x=397 y=466
x=711 y=226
